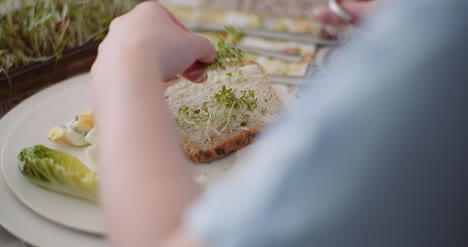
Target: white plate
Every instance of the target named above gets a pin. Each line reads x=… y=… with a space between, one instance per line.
x=30 y=123
x=33 y=129
x=17 y=218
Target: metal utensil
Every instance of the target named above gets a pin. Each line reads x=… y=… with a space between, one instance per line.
x=297 y=37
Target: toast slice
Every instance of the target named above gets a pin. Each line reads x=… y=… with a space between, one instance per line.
x=213 y=121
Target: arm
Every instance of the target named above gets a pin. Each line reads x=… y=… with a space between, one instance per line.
x=146 y=183
x=374 y=155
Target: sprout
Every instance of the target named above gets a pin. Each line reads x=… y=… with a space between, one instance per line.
x=36 y=31
x=226 y=52
x=224 y=111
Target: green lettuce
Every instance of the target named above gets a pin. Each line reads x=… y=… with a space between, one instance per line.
x=59 y=172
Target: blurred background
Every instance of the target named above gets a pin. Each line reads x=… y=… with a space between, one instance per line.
x=44 y=42
x=289 y=8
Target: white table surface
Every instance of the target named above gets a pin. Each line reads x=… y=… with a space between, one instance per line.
x=8 y=240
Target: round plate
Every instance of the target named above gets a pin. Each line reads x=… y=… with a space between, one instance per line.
x=18 y=219
x=31 y=128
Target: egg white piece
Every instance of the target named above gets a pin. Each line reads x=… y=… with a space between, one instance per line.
x=75 y=138
x=91 y=156
x=91 y=136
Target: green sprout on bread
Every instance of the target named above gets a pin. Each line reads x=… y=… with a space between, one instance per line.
x=226 y=50
x=223 y=112
x=226 y=110
x=236 y=76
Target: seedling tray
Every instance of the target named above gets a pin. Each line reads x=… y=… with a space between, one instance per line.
x=24 y=81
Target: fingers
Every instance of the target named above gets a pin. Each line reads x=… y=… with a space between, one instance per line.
x=357 y=9
x=196 y=73
x=204 y=53
x=179 y=47
x=203 y=49
x=175 y=20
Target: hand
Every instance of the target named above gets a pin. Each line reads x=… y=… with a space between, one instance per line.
x=358 y=9
x=150 y=34
x=140 y=156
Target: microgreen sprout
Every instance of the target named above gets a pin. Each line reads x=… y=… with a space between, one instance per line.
x=223 y=112
x=187 y=139
x=236 y=77
x=226 y=109
x=36 y=31
x=226 y=52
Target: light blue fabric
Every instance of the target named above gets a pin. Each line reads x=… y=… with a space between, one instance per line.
x=375 y=155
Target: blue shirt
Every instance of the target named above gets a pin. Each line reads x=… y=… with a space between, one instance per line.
x=374 y=155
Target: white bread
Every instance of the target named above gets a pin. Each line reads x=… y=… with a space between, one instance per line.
x=201 y=147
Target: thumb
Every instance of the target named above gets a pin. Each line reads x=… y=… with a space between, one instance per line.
x=358 y=10
x=203 y=49
x=204 y=53
x=196 y=73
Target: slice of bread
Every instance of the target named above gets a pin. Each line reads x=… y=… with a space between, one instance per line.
x=203 y=144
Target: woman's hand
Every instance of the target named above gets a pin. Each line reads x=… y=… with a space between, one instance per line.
x=358 y=9
x=145 y=181
x=151 y=34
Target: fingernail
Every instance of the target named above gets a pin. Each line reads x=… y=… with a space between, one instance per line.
x=196 y=70
x=196 y=73
x=201 y=78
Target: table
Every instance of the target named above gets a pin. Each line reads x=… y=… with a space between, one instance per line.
x=7 y=240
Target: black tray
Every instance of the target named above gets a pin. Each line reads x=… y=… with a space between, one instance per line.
x=25 y=81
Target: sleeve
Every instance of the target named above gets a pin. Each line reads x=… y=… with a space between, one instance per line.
x=376 y=156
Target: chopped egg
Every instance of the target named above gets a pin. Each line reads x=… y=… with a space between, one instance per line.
x=75 y=138
x=84 y=122
x=91 y=156
x=91 y=136
x=57 y=134
x=76 y=132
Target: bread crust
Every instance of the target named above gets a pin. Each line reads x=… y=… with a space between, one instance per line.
x=224 y=148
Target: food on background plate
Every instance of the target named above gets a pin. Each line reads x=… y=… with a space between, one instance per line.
x=221 y=115
x=58 y=171
x=213 y=119
x=75 y=132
